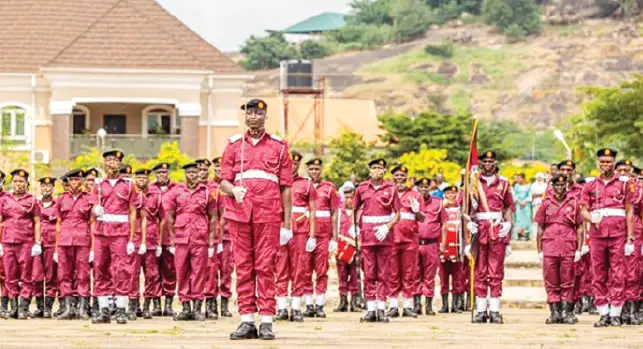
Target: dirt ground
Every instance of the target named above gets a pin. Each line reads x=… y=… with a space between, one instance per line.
x=523 y=329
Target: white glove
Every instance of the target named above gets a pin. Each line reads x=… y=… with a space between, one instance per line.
x=641 y=250
x=595 y=217
x=36 y=250
x=219 y=247
x=541 y=256
x=1 y=251
x=142 y=249
x=172 y=250
x=505 y=228
x=130 y=248
x=55 y=258
x=239 y=193
x=159 y=251
x=507 y=251
x=99 y=210
x=381 y=232
x=584 y=250
x=332 y=246
x=91 y=257
x=210 y=252
x=629 y=249
x=310 y=244
x=415 y=205
x=353 y=231
x=467 y=250
x=577 y=256
x=284 y=236
x=472 y=227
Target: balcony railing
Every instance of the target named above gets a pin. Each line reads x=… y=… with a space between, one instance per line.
x=141 y=146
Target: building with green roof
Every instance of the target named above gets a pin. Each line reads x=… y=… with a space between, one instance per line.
x=325 y=22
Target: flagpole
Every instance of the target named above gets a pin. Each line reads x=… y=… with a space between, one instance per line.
x=467 y=203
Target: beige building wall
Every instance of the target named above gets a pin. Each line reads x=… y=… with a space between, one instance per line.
x=133 y=112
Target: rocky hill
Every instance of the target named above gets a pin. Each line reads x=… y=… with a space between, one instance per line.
x=534 y=81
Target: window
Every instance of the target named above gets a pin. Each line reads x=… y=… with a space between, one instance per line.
x=80 y=121
x=13 y=126
x=159 y=122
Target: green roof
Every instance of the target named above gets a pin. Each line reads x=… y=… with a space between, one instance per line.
x=324 y=22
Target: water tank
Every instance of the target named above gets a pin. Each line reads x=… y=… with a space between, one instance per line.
x=297 y=74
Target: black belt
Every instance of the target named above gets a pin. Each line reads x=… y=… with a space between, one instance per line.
x=428 y=241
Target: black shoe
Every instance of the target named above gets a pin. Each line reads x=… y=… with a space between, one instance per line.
x=625 y=315
x=584 y=304
x=40 y=308
x=310 y=311
x=578 y=307
x=185 y=314
x=131 y=311
x=467 y=302
x=429 y=307
x=4 y=307
x=295 y=315
x=604 y=321
x=14 y=305
x=282 y=315
x=592 y=308
x=95 y=309
x=343 y=305
x=553 y=317
x=417 y=304
x=615 y=321
x=495 y=318
x=156 y=307
x=265 y=332
x=319 y=312
x=146 y=309
x=49 y=303
x=631 y=309
x=225 y=312
x=246 y=330
x=480 y=318
x=139 y=311
x=197 y=314
x=459 y=304
x=27 y=312
x=102 y=317
x=639 y=314
x=408 y=312
x=393 y=313
x=354 y=306
x=83 y=305
x=569 y=318
x=168 y=311
x=211 y=309
x=23 y=309
x=370 y=316
x=558 y=307
x=445 y=304
x=121 y=316
x=381 y=316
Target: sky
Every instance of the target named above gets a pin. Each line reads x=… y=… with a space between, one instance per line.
x=228 y=23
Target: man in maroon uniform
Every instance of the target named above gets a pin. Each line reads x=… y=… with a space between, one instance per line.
x=74 y=240
x=44 y=267
x=404 y=261
x=560 y=237
x=4 y=302
x=224 y=250
x=165 y=186
x=347 y=273
x=606 y=204
x=379 y=203
x=256 y=173
x=492 y=221
x=21 y=240
x=113 y=239
x=452 y=267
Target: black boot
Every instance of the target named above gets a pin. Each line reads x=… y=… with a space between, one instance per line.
x=480 y=318
x=208 y=310
x=445 y=304
x=146 y=309
x=429 y=307
x=639 y=313
x=225 y=312
x=13 y=312
x=95 y=308
x=185 y=314
x=82 y=308
x=592 y=308
x=168 y=311
x=295 y=315
x=319 y=312
x=131 y=311
x=632 y=311
x=495 y=318
x=4 y=307
x=408 y=312
x=310 y=311
x=343 y=305
x=40 y=307
x=282 y=315
x=459 y=304
x=49 y=303
x=354 y=306
x=214 y=310
x=569 y=318
x=370 y=316
x=246 y=330
x=121 y=316
x=68 y=314
x=625 y=315
x=156 y=307
x=393 y=313
x=578 y=306
x=604 y=321
x=265 y=332
x=615 y=321
x=558 y=313
x=467 y=302
x=417 y=304
x=23 y=309
x=27 y=311
x=197 y=314
x=381 y=316
x=103 y=316
x=552 y=314
x=584 y=304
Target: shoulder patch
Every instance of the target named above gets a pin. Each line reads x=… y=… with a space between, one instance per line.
x=277 y=138
x=235 y=138
x=624 y=178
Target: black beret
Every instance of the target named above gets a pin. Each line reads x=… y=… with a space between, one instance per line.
x=126 y=169
x=559 y=178
x=400 y=167
x=296 y=156
x=255 y=104
x=216 y=161
x=568 y=163
x=451 y=188
x=114 y=152
x=91 y=172
x=315 y=161
x=76 y=173
x=623 y=163
x=487 y=155
x=606 y=152
x=142 y=171
x=47 y=180
x=20 y=173
x=377 y=162
x=423 y=180
x=190 y=165
x=161 y=166
x=205 y=162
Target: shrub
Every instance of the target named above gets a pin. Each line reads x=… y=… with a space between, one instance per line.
x=444 y=50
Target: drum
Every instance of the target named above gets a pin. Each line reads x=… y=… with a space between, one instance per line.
x=345 y=249
x=453 y=245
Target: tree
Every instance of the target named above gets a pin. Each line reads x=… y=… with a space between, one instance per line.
x=350 y=158
x=411 y=18
x=508 y=15
x=267 y=52
x=435 y=130
x=375 y=12
x=311 y=49
x=500 y=136
x=428 y=162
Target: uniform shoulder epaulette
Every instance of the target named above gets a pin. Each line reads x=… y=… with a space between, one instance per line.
x=277 y=138
x=589 y=179
x=235 y=138
x=624 y=178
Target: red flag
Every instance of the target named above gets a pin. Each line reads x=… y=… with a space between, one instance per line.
x=472 y=166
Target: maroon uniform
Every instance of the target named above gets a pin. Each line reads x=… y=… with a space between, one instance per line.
x=452 y=268
x=44 y=267
x=346 y=273
x=404 y=261
x=166 y=262
x=429 y=240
